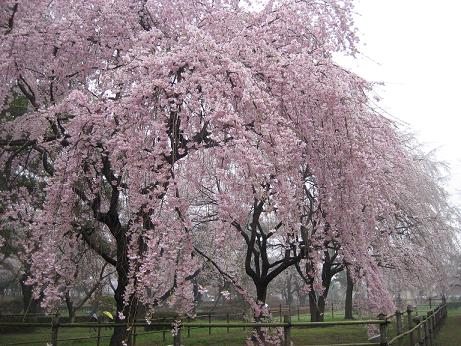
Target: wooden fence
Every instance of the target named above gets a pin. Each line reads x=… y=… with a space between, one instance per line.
x=421 y=330
x=407 y=325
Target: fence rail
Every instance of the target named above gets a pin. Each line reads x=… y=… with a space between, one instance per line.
x=420 y=330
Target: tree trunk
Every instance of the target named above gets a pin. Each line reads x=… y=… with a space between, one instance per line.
x=30 y=305
x=197 y=294
x=313 y=308
x=321 y=308
x=70 y=309
x=71 y=316
x=317 y=305
x=121 y=333
x=261 y=292
x=124 y=314
x=349 y=291
x=259 y=335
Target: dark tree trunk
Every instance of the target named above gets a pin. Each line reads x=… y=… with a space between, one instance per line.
x=349 y=291
x=30 y=305
x=197 y=294
x=317 y=307
x=71 y=316
x=261 y=294
x=313 y=307
x=121 y=334
x=321 y=309
x=258 y=265
x=261 y=291
x=70 y=309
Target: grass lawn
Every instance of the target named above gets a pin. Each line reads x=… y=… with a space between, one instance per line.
x=198 y=336
x=449 y=336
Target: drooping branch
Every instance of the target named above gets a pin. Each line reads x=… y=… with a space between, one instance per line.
x=219 y=269
x=28 y=92
x=94 y=287
x=11 y=18
x=25 y=144
x=97 y=245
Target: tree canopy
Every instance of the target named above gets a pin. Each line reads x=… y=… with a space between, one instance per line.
x=138 y=110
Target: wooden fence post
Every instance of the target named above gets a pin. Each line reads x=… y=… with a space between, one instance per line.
x=280 y=312
x=445 y=310
x=437 y=319
x=399 y=325
x=54 y=330
x=429 y=328
x=188 y=328
x=332 y=311
x=298 y=314
x=419 y=335
x=227 y=319
x=98 y=339
x=410 y=324
x=287 y=330
x=426 y=331
x=209 y=322
x=134 y=333
x=383 y=331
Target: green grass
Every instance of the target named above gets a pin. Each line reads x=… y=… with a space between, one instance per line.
x=449 y=336
x=40 y=336
x=198 y=336
x=236 y=336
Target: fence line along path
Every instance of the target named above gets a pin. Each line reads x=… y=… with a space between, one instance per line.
x=407 y=325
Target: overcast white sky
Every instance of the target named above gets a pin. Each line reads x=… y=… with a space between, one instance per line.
x=414 y=47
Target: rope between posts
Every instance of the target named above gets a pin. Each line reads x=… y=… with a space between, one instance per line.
x=194 y=325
